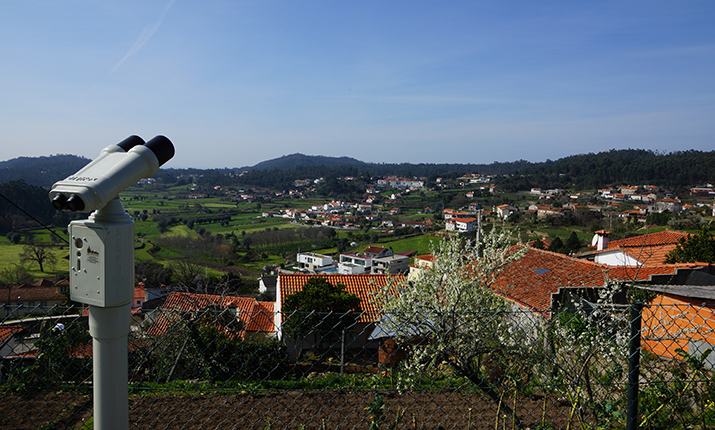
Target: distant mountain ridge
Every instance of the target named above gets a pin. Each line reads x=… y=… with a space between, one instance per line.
x=583 y=170
x=288 y=162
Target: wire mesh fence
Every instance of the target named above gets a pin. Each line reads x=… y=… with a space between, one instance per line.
x=218 y=367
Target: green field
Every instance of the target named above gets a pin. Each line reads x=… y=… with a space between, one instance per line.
x=10 y=257
x=219 y=222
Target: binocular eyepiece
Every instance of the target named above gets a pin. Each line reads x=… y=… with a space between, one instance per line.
x=117 y=168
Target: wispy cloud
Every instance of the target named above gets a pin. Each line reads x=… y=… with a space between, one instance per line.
x=144 y=37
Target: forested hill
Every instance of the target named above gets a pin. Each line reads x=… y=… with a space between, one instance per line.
x=291 y=161
x=41 y=171
x=297 y=162
x=629 y=166
x=282 y=174
x=636 y=166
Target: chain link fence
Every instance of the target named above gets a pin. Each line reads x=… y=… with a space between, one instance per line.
x=600 y=367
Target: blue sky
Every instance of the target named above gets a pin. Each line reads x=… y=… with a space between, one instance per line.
x=233 y=83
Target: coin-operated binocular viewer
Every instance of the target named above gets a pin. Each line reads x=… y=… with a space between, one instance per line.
x=102 y=261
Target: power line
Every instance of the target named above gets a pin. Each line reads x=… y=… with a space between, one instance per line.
x=35 y=219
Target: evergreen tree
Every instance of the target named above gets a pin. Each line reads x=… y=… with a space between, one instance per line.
x=573 y=243
x=557 y=245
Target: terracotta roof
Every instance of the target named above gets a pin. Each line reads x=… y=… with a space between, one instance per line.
x=362 y=285
x=372 y=249
x=426 y=257
x=531 y=280
x=28 y=293
x=652 y=239
x=649 y=248
x=6 y=332
x=256 y=316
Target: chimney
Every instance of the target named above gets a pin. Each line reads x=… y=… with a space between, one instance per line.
x=600 y=239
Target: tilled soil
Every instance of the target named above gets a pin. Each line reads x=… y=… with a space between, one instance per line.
x=285 y=410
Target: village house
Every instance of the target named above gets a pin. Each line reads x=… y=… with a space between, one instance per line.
x=378 y=251
x=419 y=264
x=543 y=281
x=364 y=208
x=364 y=286
x=33 y=297
x=649 y=248
x=474 y=207
x=702 y=191
x=629 y=190
x=417 y=224
x=353 y=264
x=504 y=211
x=314 y=263
x=397 y=182
x=391 y=264
x=461 y=225
x=667 y=204
x=449 y=214
x=256 y=318
x=543 y=211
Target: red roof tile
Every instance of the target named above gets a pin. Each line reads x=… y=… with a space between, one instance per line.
x=362 y=285
x=649 y=248
x=256 y=316
x=28 y=293
x=531 y=280
x=665 y=237
x=6 y=332
x=372 y=249
x=426 y=257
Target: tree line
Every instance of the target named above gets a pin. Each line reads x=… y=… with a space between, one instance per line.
x=627 y=166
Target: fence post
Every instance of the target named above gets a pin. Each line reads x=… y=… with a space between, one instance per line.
x=634 y=366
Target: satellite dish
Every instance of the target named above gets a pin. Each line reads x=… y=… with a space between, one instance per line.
x=353 y=243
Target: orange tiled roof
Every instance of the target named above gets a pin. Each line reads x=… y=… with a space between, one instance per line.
x=28 y=293
x=426 y=257
x=255 y=315
x=653 y=239
x=7 y=331
x=531 y=280
x=372 y=249
x=362 y=285
x=649 y=248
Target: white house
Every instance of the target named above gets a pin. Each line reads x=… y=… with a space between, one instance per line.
x=671 y=205
x=314 y=262
x=391 y=264
x=352 y=264
x=461 y=225
x=503 y=211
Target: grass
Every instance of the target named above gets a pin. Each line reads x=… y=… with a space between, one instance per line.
x=421 y=244
x=10 y=256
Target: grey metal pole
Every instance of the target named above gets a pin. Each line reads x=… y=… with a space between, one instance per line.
x=109 y=328
x=634 y=366
x=109 y=323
